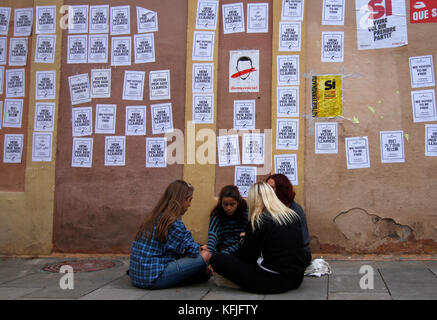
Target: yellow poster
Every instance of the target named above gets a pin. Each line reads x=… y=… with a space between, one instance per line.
x=327 y=96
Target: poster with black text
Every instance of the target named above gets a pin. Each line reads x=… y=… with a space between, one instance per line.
x=156 y=152
x=82 y=121
x=115 y=151
x=45 y=85
x=13 y=148
x=244 y=178
x=82 y=153
x=286 y=164
x=44 y=116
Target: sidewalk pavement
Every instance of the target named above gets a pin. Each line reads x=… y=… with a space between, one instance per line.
x=25 y=279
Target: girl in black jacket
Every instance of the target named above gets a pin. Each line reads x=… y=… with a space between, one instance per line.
x=271 y=256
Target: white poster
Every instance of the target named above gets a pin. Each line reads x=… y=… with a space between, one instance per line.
x=206 y=17
x=18 y=50
x=45 y=19
x=431 y=140
x=135 y=121
x=99 y=22
x=82 y=121
x=44 y=116
x=422 y=71
x=326 y=138
x=333 y=12
x=5 y=17
x=120 y=20
x=381 y=24
x=424 y=108
x=45 y=85
x=392 y=146
x=15 y=83
x=287 y=102
x=45 y=48
x=203 y=46
x=13 y=113
x=100 y=83
x=233 y=18
x=121 y=51
x=115 y=151
x=106 y=118
x=203 y=108
x=2 y=79
x=162 y=118
x=257 y=17
x=13 y=148
x=333 y=46
x=286 y=164
x=287 y=134
x=133 y=85
x=293 y=9
x=290 y=36
x=3 y=50
x=244 y=71
x=357 y=152
x=79 y=88
x=253 y=148
x=42 y=146
x=203 y=78
x=1 y=113
x=144 y=48
x=244 y=178
x=288 y=70
x=82 y=153
x=228 y=150
x=244 y=114
x=23 y=21
x=156 y=152
x=78 y=19
x=159 y=85
x=147 y=20
x=77 y=49
x=98 y=48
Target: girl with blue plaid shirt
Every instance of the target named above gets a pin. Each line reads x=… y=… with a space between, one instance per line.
x=164 y=253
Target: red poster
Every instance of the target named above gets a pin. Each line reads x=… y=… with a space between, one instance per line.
x=424 y=11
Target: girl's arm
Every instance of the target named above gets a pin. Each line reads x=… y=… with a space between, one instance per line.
x=181 y=241
x=213 y=234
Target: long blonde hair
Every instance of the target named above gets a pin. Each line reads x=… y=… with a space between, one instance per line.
x=262 y=199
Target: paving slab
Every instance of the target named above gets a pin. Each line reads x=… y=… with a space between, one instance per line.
x=312 y=288
x=351 y=283
x=114 y=294
x=7 y=293
x=182 y=293
x=223 y=293
x=359 y=296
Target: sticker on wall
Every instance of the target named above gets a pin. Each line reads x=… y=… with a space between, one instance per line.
x=293 y=9
x=244 y=178
x=288 y=70
x=13 y=148
x=98 y=48
x=45 y=19
x=333 y=12
x=327 y=96
x=206 y=17
x=244 y=71
x=77 y=49
x=44 y=116
x=156 y=152
x=133 y=85
x=42 y=146
x=326 y=138
x=244 y=114
x=287 y=134
x=82 y=121
x=1 y=113
x=121 y=51
x=45 y=85
x=82 y=153
x=120 y=20
x=99 y=21
x=2 y=79
x=253 y=148
x=144 y=48
x=290 y=36
x=15 y=83
x=162 y=118
x=422 y=71
x=431 y=140
x=357 y=152
x=424 y=11
x=3 y=50
x=228 y=150
x=18 y=50
x=424 y=108
x=100 y=83
x=78 y=19
x=115 y=151
x=286 y=164
x=5 y=17
x=106 y=115
x=159 y=85
x=287 y=102
x=257 y=17
x=333 y=46
x=135 y=121
x=13 y=113
x=381 y=24
x=203 y=108
x=45 y=48
x=79 y=88
x=203 y=46
x=147 y=20
x=233 y=18
x=203 y=78
x=23 y=21
x=392 y=146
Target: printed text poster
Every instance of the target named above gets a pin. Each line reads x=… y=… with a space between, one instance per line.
x=286 y=164
x=392 y=146
x=357 y=152
x=244 y=178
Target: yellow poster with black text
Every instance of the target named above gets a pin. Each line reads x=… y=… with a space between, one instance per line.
x=327 y=96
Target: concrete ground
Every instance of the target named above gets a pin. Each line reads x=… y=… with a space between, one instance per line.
x=24 y=279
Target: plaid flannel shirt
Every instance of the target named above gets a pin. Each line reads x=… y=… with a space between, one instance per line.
x=148 y=259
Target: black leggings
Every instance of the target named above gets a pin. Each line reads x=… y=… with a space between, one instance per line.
x=251 y=277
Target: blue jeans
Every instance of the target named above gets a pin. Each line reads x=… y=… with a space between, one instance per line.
x=185 y=270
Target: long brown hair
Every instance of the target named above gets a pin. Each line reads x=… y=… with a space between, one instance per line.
x=168 y=209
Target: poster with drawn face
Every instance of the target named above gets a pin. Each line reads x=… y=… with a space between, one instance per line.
x=244 y=71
